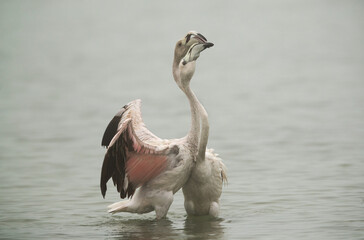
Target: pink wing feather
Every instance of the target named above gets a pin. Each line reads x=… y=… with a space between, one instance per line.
x=129 y=161
x=141 y=168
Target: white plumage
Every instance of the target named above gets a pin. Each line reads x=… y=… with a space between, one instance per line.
x=204 y=187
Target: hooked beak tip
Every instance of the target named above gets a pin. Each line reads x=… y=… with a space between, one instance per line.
x=208 y=44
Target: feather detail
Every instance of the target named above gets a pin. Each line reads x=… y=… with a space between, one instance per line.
x=129 y=161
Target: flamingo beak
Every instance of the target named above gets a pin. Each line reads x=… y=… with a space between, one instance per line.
x=194 y=51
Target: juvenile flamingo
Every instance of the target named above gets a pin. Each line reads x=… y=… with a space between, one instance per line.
x=143 y=167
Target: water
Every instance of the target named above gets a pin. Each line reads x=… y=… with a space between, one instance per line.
x=283 y=86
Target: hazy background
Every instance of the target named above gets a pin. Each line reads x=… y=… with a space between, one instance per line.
x=283 y=87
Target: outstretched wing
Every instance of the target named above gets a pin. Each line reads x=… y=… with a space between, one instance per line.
x=131 y=110
x=134 y=155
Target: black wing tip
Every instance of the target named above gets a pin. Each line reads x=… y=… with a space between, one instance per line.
x=110 y=131
x=106 y=173
x=103 y=186
x=103 y=190
x=112 y=127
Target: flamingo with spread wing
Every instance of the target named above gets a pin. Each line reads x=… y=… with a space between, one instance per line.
x=143 y=167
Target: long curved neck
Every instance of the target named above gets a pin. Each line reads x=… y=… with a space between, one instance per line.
x=194 y=133
x=199 y=132
x=182 y=75
x=204 y=137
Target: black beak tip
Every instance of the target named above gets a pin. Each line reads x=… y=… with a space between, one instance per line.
x=208 y=44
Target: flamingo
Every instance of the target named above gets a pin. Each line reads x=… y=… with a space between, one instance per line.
x=143 y=167
x=203 y=189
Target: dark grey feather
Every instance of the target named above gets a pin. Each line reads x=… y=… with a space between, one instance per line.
x=114 y=166
x=112 y=128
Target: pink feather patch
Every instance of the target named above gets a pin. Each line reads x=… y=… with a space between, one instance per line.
x=141 y=168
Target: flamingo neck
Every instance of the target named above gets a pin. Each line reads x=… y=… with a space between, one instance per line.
x=182 y=75
x=204 y=136
x=193 y=135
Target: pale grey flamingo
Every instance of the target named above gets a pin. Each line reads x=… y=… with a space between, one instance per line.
x=145 y=168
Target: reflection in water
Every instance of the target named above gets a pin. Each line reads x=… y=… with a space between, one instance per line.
x=149 y=228
x=121 y=228
x=204 y=227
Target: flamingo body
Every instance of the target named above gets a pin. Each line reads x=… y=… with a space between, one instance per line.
x=204 y=187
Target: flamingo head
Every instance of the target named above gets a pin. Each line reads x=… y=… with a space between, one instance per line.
x=188 y=49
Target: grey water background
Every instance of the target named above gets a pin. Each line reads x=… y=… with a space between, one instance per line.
x=283 y=87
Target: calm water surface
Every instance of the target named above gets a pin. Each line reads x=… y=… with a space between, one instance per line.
x=283 y=86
